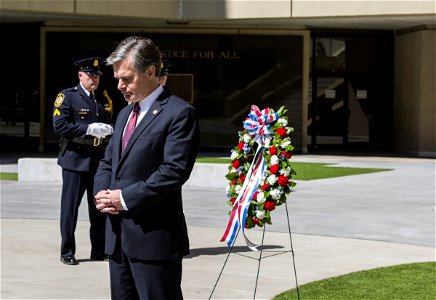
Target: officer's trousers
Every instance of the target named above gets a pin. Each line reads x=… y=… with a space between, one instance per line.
x=73 y=188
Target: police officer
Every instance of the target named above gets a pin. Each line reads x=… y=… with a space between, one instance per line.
x=81 y=121
x=164 y=70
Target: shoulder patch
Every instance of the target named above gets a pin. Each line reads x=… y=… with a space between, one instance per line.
x=59 y=99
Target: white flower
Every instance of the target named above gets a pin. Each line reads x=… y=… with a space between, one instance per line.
x=282 y=121
x=227 y=189
x=285 y=143
x=260 y=198
x=237 y=189
x=285 y=172
x=271 y=179
x=260 y=214
x=233 y=155
x=267 y=142
x=274 y=160
x=246 y=138
x=275 y=193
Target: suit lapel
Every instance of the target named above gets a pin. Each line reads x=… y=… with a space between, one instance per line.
x=118 y=135
x=155 y=109
x=151 y=114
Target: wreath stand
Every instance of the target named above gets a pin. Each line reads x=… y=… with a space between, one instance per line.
x=262 y=257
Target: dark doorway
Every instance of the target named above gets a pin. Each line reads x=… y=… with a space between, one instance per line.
x=350 y=105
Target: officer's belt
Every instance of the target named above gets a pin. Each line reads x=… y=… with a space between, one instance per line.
x=90 y=142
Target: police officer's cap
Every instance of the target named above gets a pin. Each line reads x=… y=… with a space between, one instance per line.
x=165 y=68
x=90 y=65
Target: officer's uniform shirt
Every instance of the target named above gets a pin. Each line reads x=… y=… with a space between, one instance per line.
x=72 y=113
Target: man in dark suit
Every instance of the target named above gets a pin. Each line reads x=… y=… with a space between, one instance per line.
x=80 y=118
x=139 y=181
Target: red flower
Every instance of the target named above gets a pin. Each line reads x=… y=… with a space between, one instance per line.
x=265 y=186
x=283 y=180
x=270 y=205
x=236 y=164
x=234 y=181
x=273 y=150
x=287 y=154
x=241 y=146
x=255 y=195
x=274 y=169
x=242 y=177
x=255 y=220
x=282 y=132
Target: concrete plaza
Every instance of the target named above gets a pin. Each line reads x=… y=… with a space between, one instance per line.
x=338 y=225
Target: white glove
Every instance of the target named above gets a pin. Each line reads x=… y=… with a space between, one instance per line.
x=99 y=130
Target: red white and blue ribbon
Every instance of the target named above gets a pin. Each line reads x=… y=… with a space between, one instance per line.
x=242 y=202
x=257 y=124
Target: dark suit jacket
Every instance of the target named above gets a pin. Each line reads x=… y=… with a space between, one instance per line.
x=155 y=164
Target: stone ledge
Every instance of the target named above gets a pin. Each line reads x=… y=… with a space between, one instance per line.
x=47 y=170
x=39 y=169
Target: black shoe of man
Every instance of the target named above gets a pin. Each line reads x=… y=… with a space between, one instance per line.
x=69 y=260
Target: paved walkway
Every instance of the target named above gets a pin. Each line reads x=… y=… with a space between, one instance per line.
x=339 y=225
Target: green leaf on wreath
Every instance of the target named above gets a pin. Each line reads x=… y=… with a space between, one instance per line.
x=231 y=176
x=282 y=110
x=275 y=126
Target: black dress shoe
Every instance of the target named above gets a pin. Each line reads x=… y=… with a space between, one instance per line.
x=69 y=260
x=99 y=257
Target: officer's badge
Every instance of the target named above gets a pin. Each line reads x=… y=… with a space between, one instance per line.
x=95 y=62
x=59 y=99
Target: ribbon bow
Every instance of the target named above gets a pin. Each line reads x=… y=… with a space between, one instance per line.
x=258 y=123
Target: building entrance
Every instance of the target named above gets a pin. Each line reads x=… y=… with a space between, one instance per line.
x=350 y=97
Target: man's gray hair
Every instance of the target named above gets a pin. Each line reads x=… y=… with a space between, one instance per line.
x=142 y=52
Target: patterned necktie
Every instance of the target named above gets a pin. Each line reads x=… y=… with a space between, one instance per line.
x=130 y=126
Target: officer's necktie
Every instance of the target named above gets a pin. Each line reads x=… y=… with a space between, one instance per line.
x=130 y=126
x=92 y=98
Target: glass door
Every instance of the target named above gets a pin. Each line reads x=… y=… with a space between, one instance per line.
x=328 y=111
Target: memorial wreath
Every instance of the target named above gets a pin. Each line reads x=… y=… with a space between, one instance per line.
x=260 y=172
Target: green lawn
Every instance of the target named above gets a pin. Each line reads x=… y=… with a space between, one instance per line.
x=312 y=171
x=409 y=281
x=8 y=176
x=309 y=171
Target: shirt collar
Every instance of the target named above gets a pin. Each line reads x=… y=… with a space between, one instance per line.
x=86 y=91
x=147 y=102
